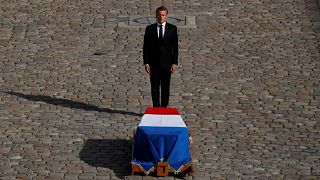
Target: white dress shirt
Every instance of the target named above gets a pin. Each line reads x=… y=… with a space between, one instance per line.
x=163 y=28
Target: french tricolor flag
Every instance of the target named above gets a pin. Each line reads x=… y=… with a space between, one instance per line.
x=162 y=136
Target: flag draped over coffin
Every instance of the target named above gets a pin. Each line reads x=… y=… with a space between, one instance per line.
x=162 y=136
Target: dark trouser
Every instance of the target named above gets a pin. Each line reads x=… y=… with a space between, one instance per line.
x=160 y=78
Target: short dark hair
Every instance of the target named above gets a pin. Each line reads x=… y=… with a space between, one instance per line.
x=161 y=8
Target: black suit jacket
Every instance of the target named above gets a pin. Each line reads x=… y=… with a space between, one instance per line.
x=157 y=52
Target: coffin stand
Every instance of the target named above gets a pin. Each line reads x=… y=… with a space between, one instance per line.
x=163 y=169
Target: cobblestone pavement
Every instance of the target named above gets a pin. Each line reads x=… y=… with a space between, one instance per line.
x=73 y=87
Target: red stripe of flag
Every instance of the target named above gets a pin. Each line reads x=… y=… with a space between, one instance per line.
x=162 y=111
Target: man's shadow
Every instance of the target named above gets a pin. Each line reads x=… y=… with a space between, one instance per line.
x=69 y=103
x=114 y=154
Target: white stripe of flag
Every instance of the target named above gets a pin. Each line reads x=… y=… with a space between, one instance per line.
x=162 y=120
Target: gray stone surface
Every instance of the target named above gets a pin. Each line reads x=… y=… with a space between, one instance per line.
x=73 y=87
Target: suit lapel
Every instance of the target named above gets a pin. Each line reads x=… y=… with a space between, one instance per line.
x=167 y=30
x=155 y=31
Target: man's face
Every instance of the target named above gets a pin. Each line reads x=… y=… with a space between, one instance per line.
x=162 y=16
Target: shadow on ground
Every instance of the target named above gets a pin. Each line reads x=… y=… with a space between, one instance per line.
x=114 y=154
x=69 y=103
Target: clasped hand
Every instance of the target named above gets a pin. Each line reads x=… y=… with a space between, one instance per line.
x=147 y=68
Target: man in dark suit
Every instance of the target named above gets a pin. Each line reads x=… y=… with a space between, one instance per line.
x=160 y=56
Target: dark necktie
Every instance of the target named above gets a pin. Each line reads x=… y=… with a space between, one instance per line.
x=160 y=32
